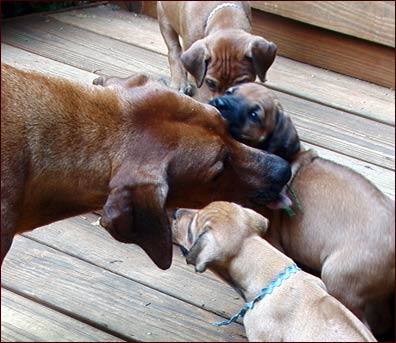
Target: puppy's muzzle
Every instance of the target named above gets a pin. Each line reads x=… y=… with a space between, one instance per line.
x=232 y=107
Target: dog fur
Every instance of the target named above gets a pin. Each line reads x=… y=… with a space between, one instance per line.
x=69 y=148
x=346 y=229
x=225 y=238
x=218 y=49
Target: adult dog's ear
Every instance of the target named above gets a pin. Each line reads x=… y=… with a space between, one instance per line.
x=262 y=54
x=202 y=252
x=134 y=213
x=195 y=60
x=284 y=140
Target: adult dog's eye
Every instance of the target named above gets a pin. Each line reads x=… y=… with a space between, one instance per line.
x=211 y=85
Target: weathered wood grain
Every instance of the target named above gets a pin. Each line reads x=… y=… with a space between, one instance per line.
x=23 y=320
x=286 y=75
x=371 y=20
x=326 y=49
x=124 y=307
x=51 y=39
x=128 y=260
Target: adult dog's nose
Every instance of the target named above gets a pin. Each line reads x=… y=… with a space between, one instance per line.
x=281 y=171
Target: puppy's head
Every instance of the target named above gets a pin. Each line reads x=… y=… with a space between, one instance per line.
x=256 y=118
x=214 y=235
x=226 y=58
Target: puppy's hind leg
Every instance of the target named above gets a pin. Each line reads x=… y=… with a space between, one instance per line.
x=343 y=282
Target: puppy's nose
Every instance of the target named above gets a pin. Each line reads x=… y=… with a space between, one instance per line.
x=174 y=213
x=219 y=103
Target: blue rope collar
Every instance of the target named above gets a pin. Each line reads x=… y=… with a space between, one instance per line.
x=267 y=290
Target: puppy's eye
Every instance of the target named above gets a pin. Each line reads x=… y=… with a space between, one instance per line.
x=254 y=113
x=211 y=85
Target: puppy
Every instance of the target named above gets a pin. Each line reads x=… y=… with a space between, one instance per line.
x=218 y=49
x=346 y=228
x=294 y=307
x=68 y=148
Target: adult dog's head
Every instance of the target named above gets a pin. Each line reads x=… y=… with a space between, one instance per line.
x=256 y=118
x=178 y=153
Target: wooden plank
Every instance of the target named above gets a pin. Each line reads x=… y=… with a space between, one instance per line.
x=97 y=247
x=285 y=75
x=326 y=49
x=383 y=178
x=28 y=61
x=23 y=320
x=126 y=308
x=52 y=39
x=371 y=20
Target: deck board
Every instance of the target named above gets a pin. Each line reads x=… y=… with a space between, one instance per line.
x=180 y=281
x=122 y=306
x=71 y=277
x=344 y=132
x=24 y=320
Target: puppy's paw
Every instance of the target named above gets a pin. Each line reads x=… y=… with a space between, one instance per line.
x=99 y=81
x=188 y=90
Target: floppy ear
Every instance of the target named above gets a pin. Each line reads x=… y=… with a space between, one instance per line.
x=195 y=60
x=134 y=213
x=262 y=53
x=202 y=252
x=258 y=222
x=284 y=140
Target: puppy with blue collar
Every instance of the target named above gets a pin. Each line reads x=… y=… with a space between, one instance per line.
x=283 y=303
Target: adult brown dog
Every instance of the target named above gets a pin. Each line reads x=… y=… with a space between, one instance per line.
x=68 y=148
x=225 y=238
x=346 y=230
x=218 y=49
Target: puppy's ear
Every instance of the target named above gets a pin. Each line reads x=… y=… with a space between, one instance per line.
x=284 y=140
x=262 y=53
x=257 y=221
x=134 y=213
x=195 y=60
x=202 y=252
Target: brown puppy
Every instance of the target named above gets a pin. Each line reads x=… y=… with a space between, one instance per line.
x=218 y=49
x=346 y=229
x=68 y=148
x=225 y=237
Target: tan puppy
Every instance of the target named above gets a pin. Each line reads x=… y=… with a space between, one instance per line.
x=68 y=148
x=225 y=237
x=218 y=49
x=346 y=229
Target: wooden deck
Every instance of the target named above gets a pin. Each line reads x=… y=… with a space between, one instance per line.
x=70 y=281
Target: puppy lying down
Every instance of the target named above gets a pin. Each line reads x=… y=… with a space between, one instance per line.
x=344 y=228
x=283 y=303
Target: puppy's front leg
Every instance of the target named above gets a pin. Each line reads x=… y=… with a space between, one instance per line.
x=171 y=38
